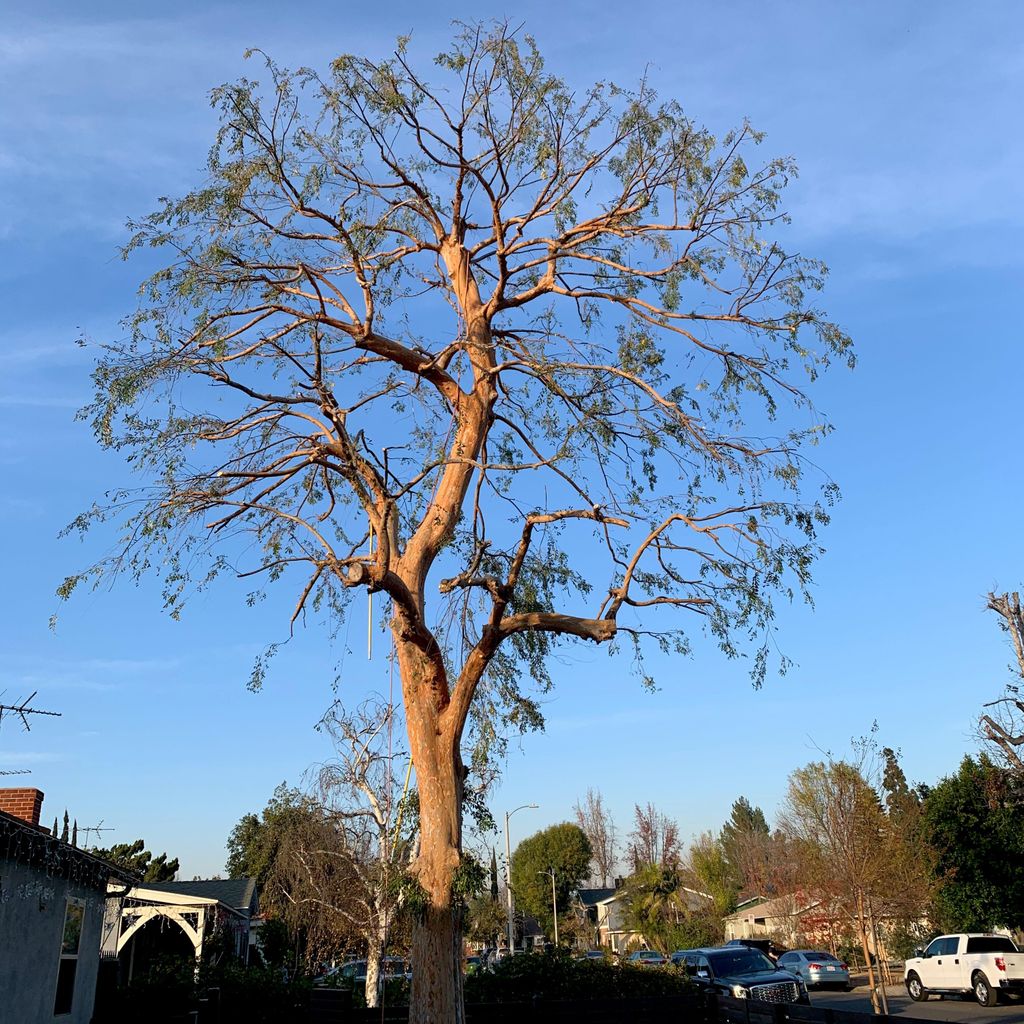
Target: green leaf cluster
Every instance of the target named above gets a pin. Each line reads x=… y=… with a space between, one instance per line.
x=974 y=823
x=136 y=858
x=562 y=848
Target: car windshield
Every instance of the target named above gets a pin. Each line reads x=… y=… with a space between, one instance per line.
x=822 y=956
x=990 y=944
x=740 y=961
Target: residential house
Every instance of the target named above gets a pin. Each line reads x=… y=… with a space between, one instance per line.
x=790 y=920
x=53 y=899
x=612 y=917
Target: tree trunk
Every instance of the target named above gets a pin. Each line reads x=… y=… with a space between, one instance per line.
x=372 y=988
x=883 y=968
x=862 y=930
x=436 y=996
x=376 y=943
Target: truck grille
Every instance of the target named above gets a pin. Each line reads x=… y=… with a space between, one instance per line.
x=785 y=992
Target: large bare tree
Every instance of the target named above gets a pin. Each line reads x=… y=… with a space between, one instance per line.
x=596 y=821
x=341 y=850
x=654 y=840
x=508 y=353
x=1004 y=725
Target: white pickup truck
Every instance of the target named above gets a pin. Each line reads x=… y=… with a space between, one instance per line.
x=987 y=965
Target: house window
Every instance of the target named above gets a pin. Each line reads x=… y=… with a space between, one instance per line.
x=74 y=917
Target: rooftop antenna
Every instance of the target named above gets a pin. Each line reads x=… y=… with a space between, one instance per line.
x=94 y=828
x=22 y=710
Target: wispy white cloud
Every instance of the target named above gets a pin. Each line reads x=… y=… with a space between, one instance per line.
x=87 y=674
x=13 y=505
x=18 y=351
x=20 y=686
x=576 y=723
x=131 y=665
x=25 y=757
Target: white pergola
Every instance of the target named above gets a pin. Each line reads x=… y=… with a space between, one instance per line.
x=190 y=913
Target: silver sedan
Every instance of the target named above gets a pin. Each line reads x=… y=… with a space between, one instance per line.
x=816 y=967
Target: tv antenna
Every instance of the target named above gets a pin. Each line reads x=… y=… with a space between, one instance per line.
x=23 y=710
x=94 y=828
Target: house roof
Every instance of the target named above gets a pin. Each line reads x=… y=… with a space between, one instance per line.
x=790 y=905
x=29 y=844
x=591 y=897
x=694 y=897
x=237 y=893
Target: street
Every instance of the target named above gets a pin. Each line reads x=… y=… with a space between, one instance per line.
x=936 y=1008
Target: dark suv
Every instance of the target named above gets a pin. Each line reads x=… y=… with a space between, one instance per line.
x=742 y=973
x=766 y=946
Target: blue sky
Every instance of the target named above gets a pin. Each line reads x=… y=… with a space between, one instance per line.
x=904 y=120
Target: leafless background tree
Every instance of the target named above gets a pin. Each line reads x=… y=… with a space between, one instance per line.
x=654 y=840
x=1004 y=725
x=339 y=865
x=596 y=821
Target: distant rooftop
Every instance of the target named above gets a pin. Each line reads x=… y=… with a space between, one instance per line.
x=591 y=897
x=237 y=893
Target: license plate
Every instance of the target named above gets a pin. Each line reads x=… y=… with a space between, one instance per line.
x=829 y=968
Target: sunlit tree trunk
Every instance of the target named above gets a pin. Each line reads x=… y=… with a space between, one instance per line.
x=436 y=964
x=883 y=967
x=862 y=932
x=376 y=944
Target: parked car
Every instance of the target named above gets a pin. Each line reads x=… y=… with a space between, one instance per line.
x=983 y=964
x=646 y=958
x=743 y=973
x=816 y=967
x=353 y=974
x=766 y=946
x=592 y=954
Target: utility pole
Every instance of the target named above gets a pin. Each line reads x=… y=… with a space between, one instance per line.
x=554 y=900
x=508 y=876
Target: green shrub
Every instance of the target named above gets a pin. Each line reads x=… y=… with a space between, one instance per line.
x=556 y=975
x=396 y=993
x=170 y=988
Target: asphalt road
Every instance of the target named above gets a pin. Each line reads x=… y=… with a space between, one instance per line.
x=936 y=1008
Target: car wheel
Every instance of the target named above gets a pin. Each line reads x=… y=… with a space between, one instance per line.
x=983 y=991
x=915 y=989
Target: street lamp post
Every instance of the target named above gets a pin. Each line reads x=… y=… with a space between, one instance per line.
x=508 y=875
x=554 y=901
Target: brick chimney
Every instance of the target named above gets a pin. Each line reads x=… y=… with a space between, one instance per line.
x=22 y=803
